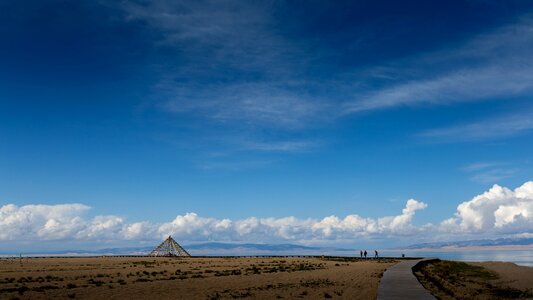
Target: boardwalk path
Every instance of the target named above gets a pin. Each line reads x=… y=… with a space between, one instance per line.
x=399 y=282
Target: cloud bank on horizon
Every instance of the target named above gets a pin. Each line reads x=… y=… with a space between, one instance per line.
x=497 y=211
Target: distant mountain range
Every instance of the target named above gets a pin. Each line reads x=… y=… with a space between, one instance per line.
x=228 y=249
x=263 y=247
x=210 y=249
x=475 y=243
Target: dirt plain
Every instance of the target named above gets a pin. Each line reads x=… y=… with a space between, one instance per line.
x=190 y=278
x=477 y=280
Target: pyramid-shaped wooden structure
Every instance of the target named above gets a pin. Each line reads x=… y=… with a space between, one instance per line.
x=169 y=247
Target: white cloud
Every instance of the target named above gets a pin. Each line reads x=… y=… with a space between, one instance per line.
x=499 y=210
x=333 y=227
x=40 y=222
x=139 y=230
x=495 y=212
x=106 y=227
x=58 y=222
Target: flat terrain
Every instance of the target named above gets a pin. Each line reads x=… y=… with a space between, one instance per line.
x=189 y=278
x=487 y=280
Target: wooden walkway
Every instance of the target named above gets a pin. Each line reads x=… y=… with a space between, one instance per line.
x=399 y=282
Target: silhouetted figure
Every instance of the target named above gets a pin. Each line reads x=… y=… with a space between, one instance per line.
x=365 y=254
x=403 y=255
x=376 y=255
x=361 y=252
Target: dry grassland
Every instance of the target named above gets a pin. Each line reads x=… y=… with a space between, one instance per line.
x=189 y=278
x=488 y=280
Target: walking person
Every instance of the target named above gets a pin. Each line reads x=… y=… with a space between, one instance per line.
x=361 y=253
x=365 y=254
x=376 y=256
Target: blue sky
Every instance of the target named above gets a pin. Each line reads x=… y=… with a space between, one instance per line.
x=144 y=111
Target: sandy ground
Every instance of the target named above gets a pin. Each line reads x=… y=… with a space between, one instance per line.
x=189 y=278
x=510 y=275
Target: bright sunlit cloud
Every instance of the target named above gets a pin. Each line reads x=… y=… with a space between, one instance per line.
x=499 y=210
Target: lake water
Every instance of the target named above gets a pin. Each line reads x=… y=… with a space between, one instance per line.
x=519 y=257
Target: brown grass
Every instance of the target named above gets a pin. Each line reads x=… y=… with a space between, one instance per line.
x=189 y=278
x=459 y=280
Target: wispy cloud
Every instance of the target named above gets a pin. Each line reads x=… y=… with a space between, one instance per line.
x=490 y=172
x=282 y=96
x=234 y=157
x=460 y=86
x=270 y=103
x=282 y=146
x=478 y=166
x=498 y=127
x=494 y=175
x=233 y=165
x=491 y=65
x=229 y=63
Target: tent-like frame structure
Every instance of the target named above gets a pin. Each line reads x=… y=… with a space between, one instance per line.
x=169 y=247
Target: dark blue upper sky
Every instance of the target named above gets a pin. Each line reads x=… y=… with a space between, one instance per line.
x=231 y=109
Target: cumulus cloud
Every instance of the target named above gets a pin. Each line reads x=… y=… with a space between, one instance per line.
x=495 y=212
x=498 y=210
x=41 y=222
x=352 y=225
x=57 y=222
